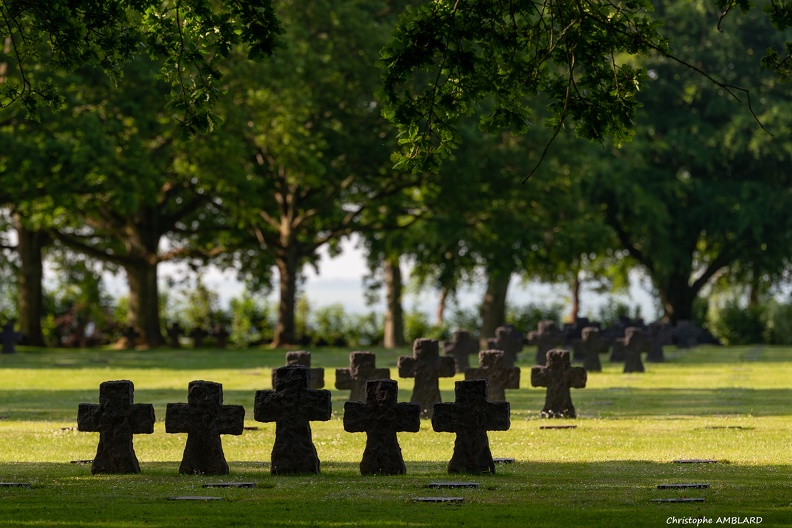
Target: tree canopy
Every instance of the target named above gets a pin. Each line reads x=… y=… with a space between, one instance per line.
x=190 y=36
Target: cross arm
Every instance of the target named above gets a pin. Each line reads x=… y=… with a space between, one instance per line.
x=447 y=367
x=177 y=418
x=265 y=408
x=406 y=366
x=444 y=419
x=355 y=417
x=577 y=377
x=498 y=416
x=408 y=417
x=344 y=379
x=317 y=405
x=231 y=420
x=89 y=417
x=512 y=378
x=539 y=377
x=141 y=417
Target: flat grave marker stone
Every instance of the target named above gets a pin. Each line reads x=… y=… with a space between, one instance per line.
x=451 y=485
x=503 y=460
x=558 y=427
x=14 y=484
x=682 y=486
x=195 y=498
x=695 y=461
x=82 y=462
x=680 y=499
x=230 y=485
x=439 y=499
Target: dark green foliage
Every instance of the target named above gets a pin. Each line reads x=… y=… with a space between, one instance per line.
x=740 y=325
x=526 y=317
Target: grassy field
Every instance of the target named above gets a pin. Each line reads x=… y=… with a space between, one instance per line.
x=733 y=405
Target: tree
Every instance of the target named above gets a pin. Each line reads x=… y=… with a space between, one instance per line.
x=309 y=139
x=702 y=189
x=447 y=57
x=191 y=37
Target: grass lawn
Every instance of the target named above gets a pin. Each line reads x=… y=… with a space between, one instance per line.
x=732 y=404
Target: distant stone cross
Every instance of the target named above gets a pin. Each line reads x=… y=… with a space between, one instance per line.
x=510 y=341
x=362 y=367
x=558 y=376
x=591 y=346
x=460 y=346
x=204 y=418
x=380 y=417
x=9 y=338
x=470 y=417
x=198 y=334
x=546 y=338
x=175 y=331
x=426 y=366
x=116 y=419
x=220 y=335
x=130 y=336
x=293 y=406
x=634 y=344
x=499 y=378
x=302 y=357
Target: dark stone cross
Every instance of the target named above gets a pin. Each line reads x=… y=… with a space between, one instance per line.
x=293 y=406
x=198 y=334
x=220 y=335
x=470 y=417
x=175 y=331
x=116 y=419
x=590 y=346
x=302 y=357
x=460 y=346
x=426 y=366
x=510 y=341
x=499 y=377
x=634 y=344
x=9 y=338
x=546 y=338
x=658 y=336
x=380 y=417
x=130 y=336
x=362 y=367
x=204 y=418
x=558 y=376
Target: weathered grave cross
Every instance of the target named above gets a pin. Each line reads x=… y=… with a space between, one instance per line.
x=470 y=417
x=381 y=418
x=558 y=376
x=634 y=344
x=426 y=366
x=293 y=406
x=303 y=357
x=546 y=338
x=204 y=418
x=510 y=341
x=175 y=331
x=362 y=367
x=460 y=346
x=116 y=419
x=9 y=338
x=591 y=346
x=498 y=376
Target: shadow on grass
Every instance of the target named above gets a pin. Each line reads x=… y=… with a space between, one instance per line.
x=548 y=494
x=22 y=404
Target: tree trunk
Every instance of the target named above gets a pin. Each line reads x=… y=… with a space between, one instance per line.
x=677 y=297
x=493 y=307
x=30 y=299
x=441 y=306
x=394 y=315
x=143 y=313
x=287 y=269
x=575 y=298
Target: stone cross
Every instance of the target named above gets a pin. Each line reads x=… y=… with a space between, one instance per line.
x=658 y=336
x=470 y=417
x=204 y=418
x=293 y=406
x=558 y=376
x=499 y=378
x=130 y=336
x=546 y=338
x=460 y=346
x=510 y=341
x=362 y=367
x=198 y=334
x=380 y=417
x=175 y=331
x=220 y=335
x=634 y=344
x=590 y=346
x=426 y=366
x=116 y=419
x=9 y=338
x=302 y=357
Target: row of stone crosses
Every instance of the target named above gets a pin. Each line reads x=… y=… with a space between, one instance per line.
x=373 y=409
